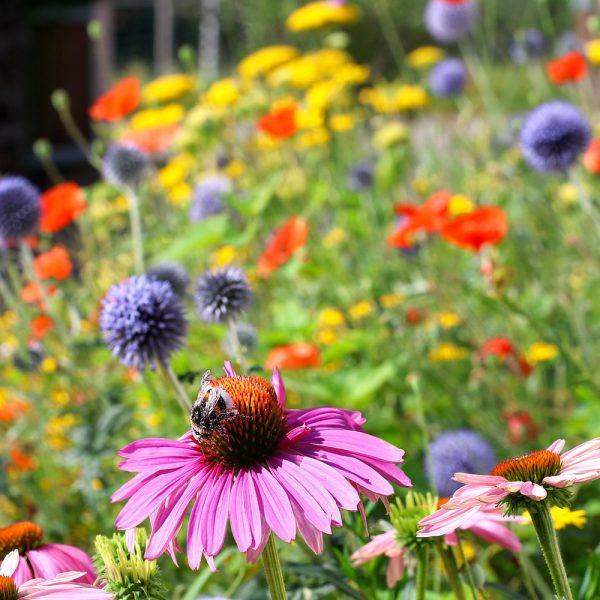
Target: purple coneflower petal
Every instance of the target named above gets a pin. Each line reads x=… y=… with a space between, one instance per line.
x=275 y=504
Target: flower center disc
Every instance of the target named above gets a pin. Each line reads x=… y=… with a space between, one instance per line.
x=530 y=467
x=8 y=588
x=20 y=536
x=253 y=434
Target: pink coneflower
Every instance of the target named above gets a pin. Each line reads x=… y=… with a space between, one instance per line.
x=58 y=588
x=262 y=468
x=516 y=483
x=488 y=525
x=37 y=560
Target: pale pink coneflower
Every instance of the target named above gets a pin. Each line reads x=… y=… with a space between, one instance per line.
x=265 y=469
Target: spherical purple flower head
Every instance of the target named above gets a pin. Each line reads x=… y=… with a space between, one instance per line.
x=449 y=21
x=208 y=197
x=222 y=295
x=173 y=273
x=458 y=451
x=527 y=45
x=125 y=166
x=361 y=176
x=142 y=321
x=19 y=207
x=553 y=136
x=448 y=78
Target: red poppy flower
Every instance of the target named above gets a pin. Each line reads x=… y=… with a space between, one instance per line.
x=280 y=123
x=61 y=204
x=293 y=356
x=54 y=264
x=13 y=409
x=485 y=225
x=20 y=460
x=124 y=97
x=32 y=294
x=520 y=426
x=591 y=158
x=41 y=325
x=288 y=239
x=429 y=216
x=414 y=316
x=567 y=68
x=505 y=351
x=153 y=140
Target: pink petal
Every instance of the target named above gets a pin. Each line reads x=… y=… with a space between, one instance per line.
x=277 y=382
x=445 y=521
x=10 y=563
x=556 y=446
x=472 y=478
x=239 y=513
x=312 y=536
x=395 y=570
x=496 y=533
x=229 y=370
x=216 y=515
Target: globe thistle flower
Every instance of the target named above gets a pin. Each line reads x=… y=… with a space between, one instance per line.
x=450 y=20
x=173 y=273
x=208 y=197
x=448 y=78
x=527 y=45
x=125 y=166
x=460 y=450
x=222 y=295
x=361 y=176
x=142 y=321
x=553 y=136
x=35 y=559
x=19 y=207
x=264 y=468
x=55 y=588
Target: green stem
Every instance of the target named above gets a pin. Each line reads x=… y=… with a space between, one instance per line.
x=467 y=566
x=527 y=579
x=544 y=527
x=236 y=347
x=422 y=566
x=180 y=393
x=135 y=221
x=73 y=130
x=273 y=571
x=451 y=569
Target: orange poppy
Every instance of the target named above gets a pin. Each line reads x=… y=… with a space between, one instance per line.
x=414 y=316
x=293 y=356
x=20 y=460
x=32 y=293
x=123 y=98
x=61 y=204
x=485 y=225
x=591 y=158
x=12 y=410
x=54 y=264
x=520 y=426
x=153 y=140
x=504 y=349
x=567 y=68
x=288 y=239
x=280 y=123
x=429 y=216
x=41 y=325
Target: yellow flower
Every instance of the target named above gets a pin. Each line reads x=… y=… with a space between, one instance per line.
x=265 y=60
x=96 y=484
x=342 y=122
x=447 y=320
x=224 y=256
x=307 y=118
x=322 y=94
x=331 y=317
x=316 y=137
x=562 y=517
x=392 y=300
x=334 y=237
x=592 y=51
x=360 y=310
x=420 y=185
x=460 y=205
x=409 y=97
x=326 y=337
x=56 y=431
x=60 y=397
x=176 y=170
x=540 y=352
x=447 y=352
x=351 y=74
x=8 y=319
x=8 y=509
x=235 y=169
x=319 y=14
x=568 y=193
x=168 y=87
x=309 y=68
x=157 y=117
x=224 y=92
x=179 y=194
x=425 y=56
x=154 y=420
x=390 y=134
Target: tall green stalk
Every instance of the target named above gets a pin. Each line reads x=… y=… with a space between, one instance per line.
x=273 y=572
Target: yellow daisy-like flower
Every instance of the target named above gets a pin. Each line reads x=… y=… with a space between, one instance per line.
x=447 y=320
x=351 y=74
x=541 y=352
x=392 y=300
x=425 y=56
x=391 y=134
x=360 y=310
x=342 y=122
x=60 y=397
x=96 y=484
x=235 y=169
x=409 y=97
x=176 y=170
x=460 y=205
x=322 y=94
x=224 y=256
x=310 y=118
x=8 y=320
x=592 y=51
x=334 y=237
x=310 y=139
x=265 y=60
x=224 y=92
x=568 y=193
x=157 y=117
x=180 y=193
x=447 y=352
x=562 y=517
x=326 y=337
x=331 y=317
x=319 y=14
x=168 y=87
x=49 y=365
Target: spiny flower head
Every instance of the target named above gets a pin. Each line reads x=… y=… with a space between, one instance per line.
x=19 y=207
x=222 y=294
x=125 y=166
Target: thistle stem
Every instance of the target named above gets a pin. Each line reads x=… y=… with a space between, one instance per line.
x=136 y=231
x=77 y=136
x=273 y=571
x=180 y=393
x=236 y=347
x=422 y=566
x=451 y=569
x=544 y=528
